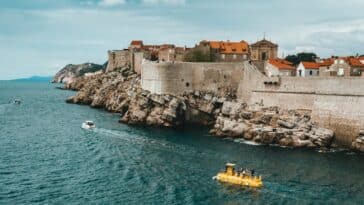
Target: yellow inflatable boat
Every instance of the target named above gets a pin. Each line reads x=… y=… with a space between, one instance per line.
x=243 y=177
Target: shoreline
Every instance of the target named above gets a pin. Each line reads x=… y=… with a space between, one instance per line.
x=120 y=92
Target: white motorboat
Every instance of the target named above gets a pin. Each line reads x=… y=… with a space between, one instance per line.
x=88 y=125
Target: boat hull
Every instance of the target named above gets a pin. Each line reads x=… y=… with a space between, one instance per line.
x=240 y=180
x=87 y=127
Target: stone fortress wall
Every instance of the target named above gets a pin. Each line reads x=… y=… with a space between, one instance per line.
x=118 y=59
x=121 y=58
x=177 y=78
x=336 y=103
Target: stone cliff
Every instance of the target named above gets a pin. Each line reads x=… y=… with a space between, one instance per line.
x=120 y=92
x=70 y=72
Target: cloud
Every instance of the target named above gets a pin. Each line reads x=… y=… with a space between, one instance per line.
x=166 y=2
x=109 y=3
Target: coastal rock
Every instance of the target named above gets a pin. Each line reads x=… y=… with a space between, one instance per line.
x=286 y=124
x=230 y=128
x=119 y=91
x=358 y=143
x=71 y=71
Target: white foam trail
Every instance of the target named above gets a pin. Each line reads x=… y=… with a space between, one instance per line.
x=135 y=139
x=125 y=136
x=243 y=141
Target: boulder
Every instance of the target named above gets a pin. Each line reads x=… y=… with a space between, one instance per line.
x=232 y=128
x=286 y=124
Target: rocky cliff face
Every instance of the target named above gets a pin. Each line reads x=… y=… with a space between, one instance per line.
x=119 y=91
x=70 y=72
x=272 y=125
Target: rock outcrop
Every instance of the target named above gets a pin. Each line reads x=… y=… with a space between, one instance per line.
x=358 y=143
x=70 y=72
x=270 y=125
x=119 y=91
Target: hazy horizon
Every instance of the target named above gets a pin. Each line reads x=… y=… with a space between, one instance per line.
x=40 y=37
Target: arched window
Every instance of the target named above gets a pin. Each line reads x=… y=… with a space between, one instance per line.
x=311 y=72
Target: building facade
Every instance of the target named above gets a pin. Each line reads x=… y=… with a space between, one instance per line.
x=170 y=54
x=279 y=67
x=225 y=51
x=263 y=50
x=308 y=69
x=342 y=66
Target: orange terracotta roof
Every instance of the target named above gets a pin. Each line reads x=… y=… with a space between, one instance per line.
x=281 y=64
x=227 y=47
x=311 y=65
x=327 y=62
x=355 y=62
x=136 y=43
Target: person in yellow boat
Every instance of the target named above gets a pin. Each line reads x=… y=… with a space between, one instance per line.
x=240 y=177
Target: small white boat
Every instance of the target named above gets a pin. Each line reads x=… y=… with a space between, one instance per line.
x=88 y=125
x=17 y=101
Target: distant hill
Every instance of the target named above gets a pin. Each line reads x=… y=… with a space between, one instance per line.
x=72 y=71
x=35 y=79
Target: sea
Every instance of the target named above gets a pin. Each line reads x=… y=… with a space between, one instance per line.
x=46 y=158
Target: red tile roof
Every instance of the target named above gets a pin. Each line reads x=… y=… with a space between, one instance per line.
x=136 y=43
x=281 y=64
x=354 y=62
x=227 y=47
x=311 y=65
x=327 y=62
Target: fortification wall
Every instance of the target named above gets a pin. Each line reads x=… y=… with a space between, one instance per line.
x=122 y=58
x=137 y=61
x=118 y=59
x=178 y=77
x=336 y=103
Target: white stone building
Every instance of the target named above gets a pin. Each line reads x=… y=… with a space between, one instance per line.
x=308 y=69
x=279 y=67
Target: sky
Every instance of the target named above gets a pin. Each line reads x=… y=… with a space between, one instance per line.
x=39 y=37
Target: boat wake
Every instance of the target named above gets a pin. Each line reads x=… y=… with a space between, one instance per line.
x=243 y=141
x=126 y=137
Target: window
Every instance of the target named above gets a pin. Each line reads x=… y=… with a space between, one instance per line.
x=340 y=72
x=234 y=56
x=264 y=56
x=318 y=72
x=311 y=72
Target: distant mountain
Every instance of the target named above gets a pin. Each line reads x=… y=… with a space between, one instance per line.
x=36 y=79
x=71 y=71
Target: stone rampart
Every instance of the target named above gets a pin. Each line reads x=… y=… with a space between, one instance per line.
x=118 y=59
x=178 y=77
x=336 y=103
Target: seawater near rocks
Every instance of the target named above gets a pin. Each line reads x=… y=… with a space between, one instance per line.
x=119 y=91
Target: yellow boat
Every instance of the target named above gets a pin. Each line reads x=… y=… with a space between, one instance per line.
x=239 y=178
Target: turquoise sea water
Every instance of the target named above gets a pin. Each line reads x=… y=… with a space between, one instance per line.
x=46 y=158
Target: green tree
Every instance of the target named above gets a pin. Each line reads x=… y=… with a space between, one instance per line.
x=296 y=59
